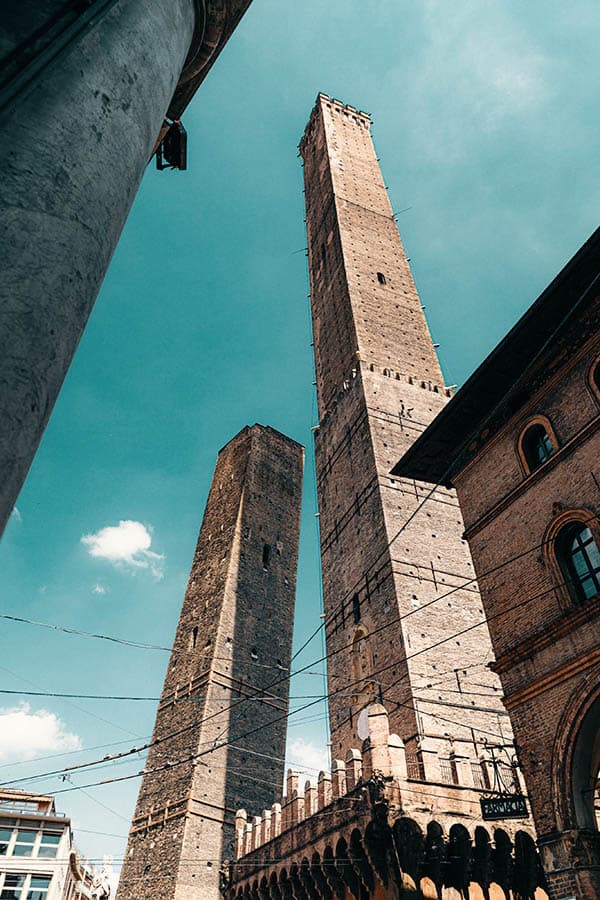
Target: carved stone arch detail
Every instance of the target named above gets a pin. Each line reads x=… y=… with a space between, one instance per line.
x=528 y=873
x=458 y=871
x=345 y=870
x=360 y=862
x=298 y=890
x=409 y=841
x=336 y=884
x=482 y=860
x=546 y=424
x=285 y=886
x=307 y=880
x=583 y=702
x=502 y=861
x=593 y=379
x=274 y=889
x=318 y=876
x=434 y=863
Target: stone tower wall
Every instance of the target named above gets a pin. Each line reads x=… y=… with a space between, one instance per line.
x=379 y=384
x=217 y=749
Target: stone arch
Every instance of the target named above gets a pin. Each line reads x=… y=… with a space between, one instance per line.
x=576 y=756
x=318 y=876
x=360 y=861
x=285 y=886
x=274 y=891
x=458 y=872
x=482 y=860
x=345 y=869
x=502 y=861
x=527 y=872
x=434 y=862
x=410 y=847
x=337 y=886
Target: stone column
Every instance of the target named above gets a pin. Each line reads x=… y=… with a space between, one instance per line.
x=75 y=144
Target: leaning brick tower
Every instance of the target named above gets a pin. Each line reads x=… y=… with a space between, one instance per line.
x=384 y=559
x=224 y=682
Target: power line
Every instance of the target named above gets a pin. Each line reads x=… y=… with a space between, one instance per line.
x=404 y=677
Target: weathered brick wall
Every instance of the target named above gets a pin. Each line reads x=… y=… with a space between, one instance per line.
x=379 y=384
x=547 y=646
x=225 y=680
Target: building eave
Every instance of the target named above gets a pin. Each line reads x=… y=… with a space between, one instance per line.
x=217 y=20
x=443 y=448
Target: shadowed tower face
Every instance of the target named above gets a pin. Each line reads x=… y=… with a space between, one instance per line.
x=379 y=385
x=215 y=749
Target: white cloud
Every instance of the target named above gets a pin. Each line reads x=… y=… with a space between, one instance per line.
x=99 y=589
x=305 y=756
x=126 y=544
x=25 y=734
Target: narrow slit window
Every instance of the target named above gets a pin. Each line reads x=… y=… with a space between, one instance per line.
x=381 y=278
x=266 y=556
x=356 y=609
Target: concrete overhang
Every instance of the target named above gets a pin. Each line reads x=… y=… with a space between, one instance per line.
x=216 y=20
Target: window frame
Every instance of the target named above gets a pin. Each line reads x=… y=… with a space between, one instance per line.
x=536 y=421
x=22 y=891
x=568 y=595
x=592 y=383
x=566 y=537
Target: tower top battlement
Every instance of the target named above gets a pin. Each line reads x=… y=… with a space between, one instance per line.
x=331 y=103
x=262 y=429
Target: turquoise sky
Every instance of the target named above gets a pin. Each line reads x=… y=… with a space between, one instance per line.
x=486 y=123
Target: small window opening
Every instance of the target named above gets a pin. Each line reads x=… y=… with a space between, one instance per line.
x=266 y=556
x=381 y=278
x=194 y=637
x=356 y=609
x=537 y=447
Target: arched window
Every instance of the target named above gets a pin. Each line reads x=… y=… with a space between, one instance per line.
x=536 y=446
x=579 y=559
x=594 y=379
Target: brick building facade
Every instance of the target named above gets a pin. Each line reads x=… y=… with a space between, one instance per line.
x=520 y=443
x=219 y=738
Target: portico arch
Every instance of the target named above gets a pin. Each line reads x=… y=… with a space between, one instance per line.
x=576 y=758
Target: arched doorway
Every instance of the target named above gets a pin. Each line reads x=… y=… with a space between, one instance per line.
x=585 y=766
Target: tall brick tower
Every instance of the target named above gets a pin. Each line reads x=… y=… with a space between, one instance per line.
x=384 y=560
x=233 y=641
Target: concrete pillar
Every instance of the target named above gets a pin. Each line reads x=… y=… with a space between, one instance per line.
x=75 y=144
